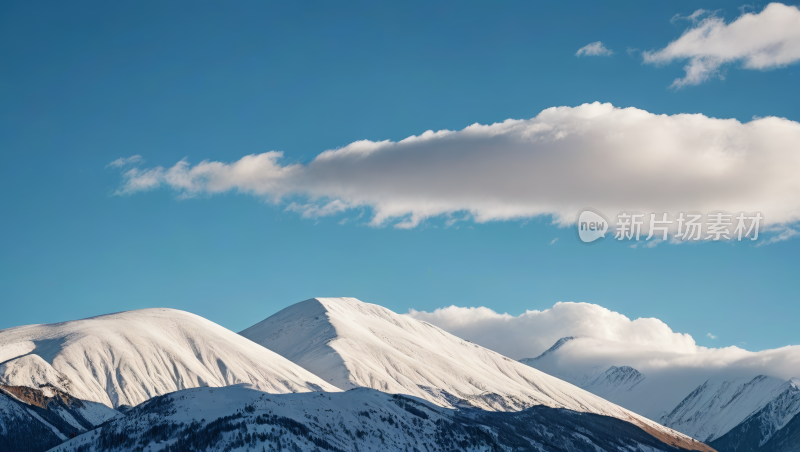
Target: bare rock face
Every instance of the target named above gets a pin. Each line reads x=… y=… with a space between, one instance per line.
x=39 y=418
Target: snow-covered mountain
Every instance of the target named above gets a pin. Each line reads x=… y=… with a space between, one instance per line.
x=35 y=419
x=21 y=430
x=240 y=418
x=615 y=382
x=127 y=358
x=773 y=428
x=353 y=344
x=731 y=414
x=718 y=405
x=652 y=397
x=559 y=343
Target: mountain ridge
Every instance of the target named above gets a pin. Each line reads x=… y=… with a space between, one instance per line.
x=34 y=418
x=774 y=427
x=355 y=344
x=731 y=414
x=241 y=418
x=719 y=405
x=126 y=358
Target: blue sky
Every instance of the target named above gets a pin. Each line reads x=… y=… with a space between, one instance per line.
x=83 y=84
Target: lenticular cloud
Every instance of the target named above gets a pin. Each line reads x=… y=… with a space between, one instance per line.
x=562 y=160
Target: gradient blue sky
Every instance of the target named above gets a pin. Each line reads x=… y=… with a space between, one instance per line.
x=84 y=83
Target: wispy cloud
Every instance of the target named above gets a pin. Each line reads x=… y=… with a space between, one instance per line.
x=122 y=162
x=693 y=18
x=711 y=336
x=311 y=210
x=652 y=243
x=594 y=49
x=767 y=40
x=557 y=163
x=785 y=235
x=554 y=241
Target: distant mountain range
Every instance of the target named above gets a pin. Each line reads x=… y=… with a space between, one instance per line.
x=339 y=374
x=758 y=413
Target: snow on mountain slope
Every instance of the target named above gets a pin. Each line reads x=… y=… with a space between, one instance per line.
x=78 y=415
x=37 y=419
x=354 y=344
x=653 y=397
x=706 y=412
x=20 y=430
x=719 y=405
x=240 y=418
x=615 y=382
x=786 y=439
x=31 y=371
x=559 y=343
x=778 y=418
x=68 y=414
x=129 y=357
x=549 y=363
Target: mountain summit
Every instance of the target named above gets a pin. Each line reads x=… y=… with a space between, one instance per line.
x=352 y=344
x=129 y=357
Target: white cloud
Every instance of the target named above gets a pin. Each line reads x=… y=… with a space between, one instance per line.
x=767 y=40
x=652 y=243
x=260 y=174
x=554 y=241
x=743 y=9
x=786 y=234
x=564 y=159
x=693 y=18
x=316 y=211
x=137 y=180
x=594 y=49
x=532 y=332
x=711 y=336
x=604 y=338
x=120 y=162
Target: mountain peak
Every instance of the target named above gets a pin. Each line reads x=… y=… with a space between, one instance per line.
x=719 y=404
x=128 y=357
x=349 y=343
x=559 y=343
x=620 y=378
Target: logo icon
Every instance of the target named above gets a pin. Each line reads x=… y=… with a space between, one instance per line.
x=591 y=226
